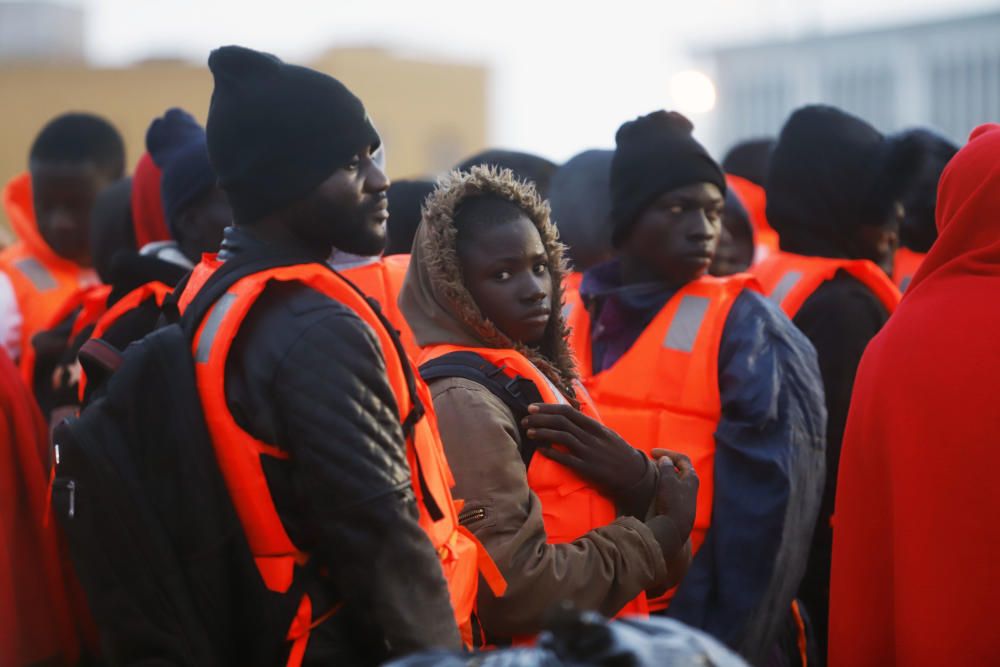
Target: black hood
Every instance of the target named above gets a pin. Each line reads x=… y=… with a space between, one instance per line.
x=832 y=172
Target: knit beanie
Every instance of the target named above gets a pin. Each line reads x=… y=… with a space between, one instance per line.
x=831 y=172
x=276 y=131
x=178 y=146
x=654 y=154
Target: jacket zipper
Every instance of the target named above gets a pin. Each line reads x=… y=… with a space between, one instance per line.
x=471 y=515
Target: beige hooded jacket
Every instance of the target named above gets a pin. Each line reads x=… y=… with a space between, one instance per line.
x=602 y=570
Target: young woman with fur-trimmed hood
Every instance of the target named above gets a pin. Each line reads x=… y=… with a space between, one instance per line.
x=568 y=510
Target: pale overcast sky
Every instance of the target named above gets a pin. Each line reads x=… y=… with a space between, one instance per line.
x=564 y=74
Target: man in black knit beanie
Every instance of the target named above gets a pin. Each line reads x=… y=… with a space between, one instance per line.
x=709 y=367
x=307 y=378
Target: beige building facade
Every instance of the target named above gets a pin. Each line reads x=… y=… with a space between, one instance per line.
x=430 y=114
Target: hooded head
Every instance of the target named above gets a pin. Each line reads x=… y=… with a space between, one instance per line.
x=436 y=298
x=276 y=132
x=835 y=185
x=111 y=231
x=750 y=160
x=406 y=200
x=527 y=167
x=918 y=231
x=195 y=207
x=968 y=227
x=581 y=207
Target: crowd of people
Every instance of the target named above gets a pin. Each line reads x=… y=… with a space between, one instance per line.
x=435 y=415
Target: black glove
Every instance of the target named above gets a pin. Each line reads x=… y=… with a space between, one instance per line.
x=677 y=490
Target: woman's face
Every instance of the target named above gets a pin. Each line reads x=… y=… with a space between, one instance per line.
x=506 y=270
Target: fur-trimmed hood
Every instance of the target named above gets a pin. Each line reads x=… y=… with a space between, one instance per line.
x=434 y=299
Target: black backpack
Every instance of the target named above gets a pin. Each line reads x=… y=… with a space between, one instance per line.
x=152 y=531
x=517 y=393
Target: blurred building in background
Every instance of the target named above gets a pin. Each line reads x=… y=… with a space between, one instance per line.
x=943 y=74
x=36 y=31
x=430 y=114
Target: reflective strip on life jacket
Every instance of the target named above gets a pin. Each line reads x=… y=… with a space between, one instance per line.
x=571 y=506
x=41 y=278
x=789 y=280
x=239 y=453
x=905 y=265
x=664 y=391
x=571 y=294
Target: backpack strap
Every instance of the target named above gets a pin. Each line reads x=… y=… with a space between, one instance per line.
x=99 y=359
x=517 y=392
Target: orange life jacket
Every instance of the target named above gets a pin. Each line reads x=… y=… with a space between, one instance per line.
x=382 y=279
x=571 y=294
x=571 y=506
x=754 y=199
x=904 y=267
x=664 y=391
x=239 y=453
x=88 y=300
x=43 y=282
x=789 y=279
x=93 y=304
x=155 y=290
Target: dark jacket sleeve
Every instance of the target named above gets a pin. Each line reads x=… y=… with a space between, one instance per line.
x=347 y=494
x=768 y=480
x=840 y=319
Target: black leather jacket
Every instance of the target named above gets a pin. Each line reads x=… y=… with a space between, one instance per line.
x=306 y=374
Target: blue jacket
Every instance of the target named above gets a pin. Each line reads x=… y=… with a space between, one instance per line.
x=769 y=460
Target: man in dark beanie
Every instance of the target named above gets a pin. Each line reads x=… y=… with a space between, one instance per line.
x=311 y=378
x=833 y=195
x=706 y=366
x=195 y=207
x=196 y=212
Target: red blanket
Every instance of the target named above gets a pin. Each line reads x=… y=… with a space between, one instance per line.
x=36 y=621
x=148 y=218
x=916 y=553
